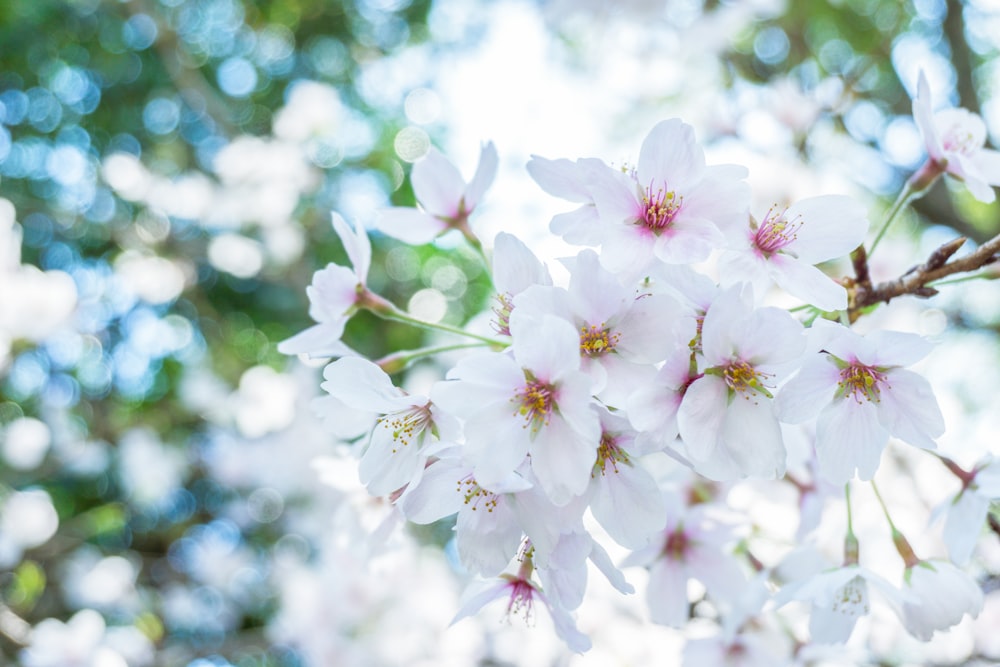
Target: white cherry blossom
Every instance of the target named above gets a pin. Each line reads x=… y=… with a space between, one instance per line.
x=939 y=595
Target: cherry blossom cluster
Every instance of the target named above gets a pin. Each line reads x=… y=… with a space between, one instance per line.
x=620 y=405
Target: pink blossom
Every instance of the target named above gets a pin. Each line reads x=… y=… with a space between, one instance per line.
x=446 y=200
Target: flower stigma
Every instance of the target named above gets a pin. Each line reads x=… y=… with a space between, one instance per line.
x=861 y=382
x=597 y=340
x=775 y=232
x=536 y=401
x=608 y=452
x=659 y=209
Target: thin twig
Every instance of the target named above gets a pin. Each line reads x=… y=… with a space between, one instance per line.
x=916 y=281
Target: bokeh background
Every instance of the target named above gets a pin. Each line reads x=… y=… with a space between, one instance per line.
x=171 y=493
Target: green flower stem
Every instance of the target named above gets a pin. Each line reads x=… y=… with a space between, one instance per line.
x=905 y=195
x=397 y=361
x=851 y=547
x=388 y=311
x=900 y=542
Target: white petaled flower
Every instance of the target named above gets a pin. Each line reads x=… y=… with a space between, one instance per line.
x=861 y=393
x=515 y=269
x=624 y=497
x=535 y=401
x=940 y=594
x=396 y=449
x=671 y=207
x=446 y=200
x=784 y=247
x=955 y=140
x=521 y=594
x=622 y=332
x=334 y=294
x=691 y=547
x=568 y=180
x=966 y=512
x=839 y=598
x=726 y=418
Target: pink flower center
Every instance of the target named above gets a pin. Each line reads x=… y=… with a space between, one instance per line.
x=521 y=597
x=535 y=401
x=861 y=382
x=775 y=232
x=476 y=495
x=597 y=340
x=677 y=545
x=960 y=139
x=503 y=311
x=659 y=208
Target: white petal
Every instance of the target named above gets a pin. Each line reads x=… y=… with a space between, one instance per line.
x=831 y=227
x=963 y=525
x=849 y=436
x=752 y=436
x=356 y=244
x=700 y=417
x=486 y=171
x=924 y=118
x=581 y=226
x=361 y=384
x=548 y=346
x=320 y=340
x=834 y=624
x=437 y=184
x=804 y=281
x=667 y=593
x=560 y=178
x=409 y=225
x=478 y=595
x=909 y=409
x=562 y=459
x=895 y=348
x=987 y=162
x=687 y=241
x=627 y=502
x=515 y=267
x=808 y=392
x=670 y=156
x=436 y=496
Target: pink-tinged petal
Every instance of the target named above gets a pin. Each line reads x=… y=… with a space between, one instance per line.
x=627 y=502
x=486 y=171
x=361 y=384
x=896 y=348
x=615 y=196
x=688 y=241
x=409 y=225
x=987 y=163
x=560 y=178
x=834 y=623
x=830 y=226
x=548 y=346
x=849 y=436
x=332 y=293
x=667 y=593
x=700 y=417
x=808 y=392
x=963 y=525
x=924 y=117
x=804 y=281
x=562 y=459
x=437 y=184
x=318 y=341
x=356 y=244
x=515 y=267
x=478 y=595
x=439 y=493
x=670 y=156
x=579 y=227
x=752 y=437
x=909 y=410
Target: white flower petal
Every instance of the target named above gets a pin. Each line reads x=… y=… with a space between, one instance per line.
x=409 y=225
x=437 y=184
x=486 y=171
x=909 y=410
x=849 y=436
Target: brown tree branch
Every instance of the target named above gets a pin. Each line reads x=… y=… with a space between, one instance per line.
x=917 y=280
